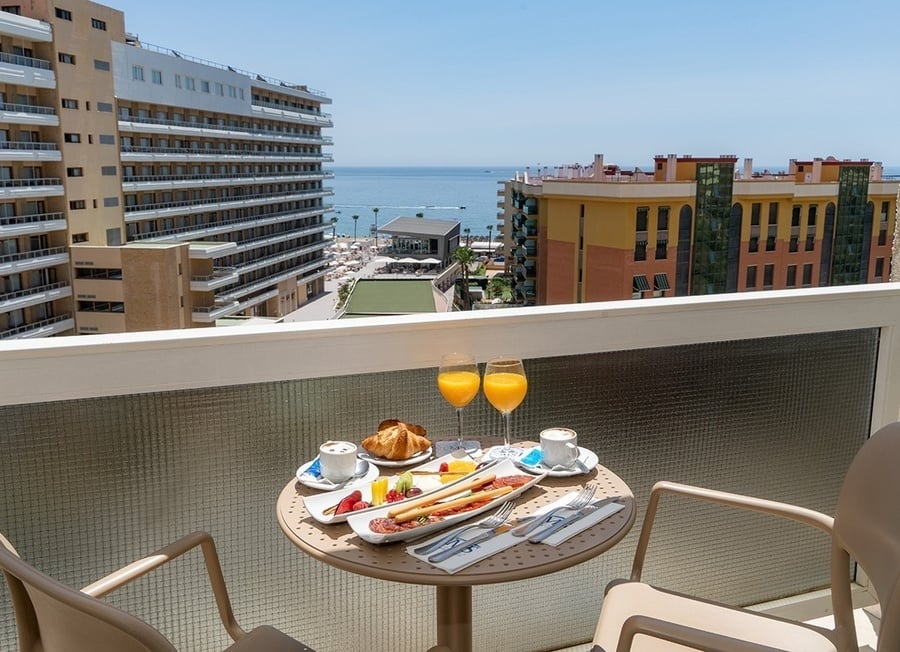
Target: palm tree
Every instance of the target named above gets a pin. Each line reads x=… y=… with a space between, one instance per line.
x=334 y=221
x=375 y=210
x=355 y=220
x=465 y=257
x=490 y=228
x=467 y=231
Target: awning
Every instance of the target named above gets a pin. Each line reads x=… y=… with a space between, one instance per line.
x=430 y=261
x=408 y=261
x=661 y=282
x=639 y=283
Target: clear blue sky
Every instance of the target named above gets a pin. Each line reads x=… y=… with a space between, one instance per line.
x=501 y=82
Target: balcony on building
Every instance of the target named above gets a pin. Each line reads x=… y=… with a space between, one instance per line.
x=25 y=151
x=28 y=114
x=120 y=443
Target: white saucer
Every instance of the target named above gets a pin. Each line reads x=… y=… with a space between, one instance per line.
x=381 y=461
x=588 y=457
x=325 y=485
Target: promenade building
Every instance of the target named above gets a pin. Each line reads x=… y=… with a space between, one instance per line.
x=143 y=189
x=694 y=226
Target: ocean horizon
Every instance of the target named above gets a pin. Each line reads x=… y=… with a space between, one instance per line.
x=467 y=194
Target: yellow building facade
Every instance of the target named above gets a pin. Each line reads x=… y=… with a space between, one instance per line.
x=696 y=226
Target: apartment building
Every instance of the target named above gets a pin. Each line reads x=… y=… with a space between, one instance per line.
x=145 y=189
x=693 y=226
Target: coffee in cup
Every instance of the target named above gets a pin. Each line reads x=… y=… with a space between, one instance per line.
x=559 y=447
x=337 y=460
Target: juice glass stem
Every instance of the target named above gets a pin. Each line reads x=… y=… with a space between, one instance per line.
x=506 y=437
x=459 y=436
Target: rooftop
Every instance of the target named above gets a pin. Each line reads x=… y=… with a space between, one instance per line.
x=416 y=226
x=390 y=297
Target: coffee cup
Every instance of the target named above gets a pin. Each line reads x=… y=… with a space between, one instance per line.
x=559 y=447
x=337 y=460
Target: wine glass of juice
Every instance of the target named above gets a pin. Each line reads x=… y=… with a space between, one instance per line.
x=505 y=386
x=458 y=382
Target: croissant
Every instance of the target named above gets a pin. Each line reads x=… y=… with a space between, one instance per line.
x=396 y=440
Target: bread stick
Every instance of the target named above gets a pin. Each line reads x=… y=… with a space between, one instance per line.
x=469 y=485
x=411 y=515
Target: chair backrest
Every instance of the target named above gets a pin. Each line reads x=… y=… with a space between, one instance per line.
x=867 y=524
x=53 y=617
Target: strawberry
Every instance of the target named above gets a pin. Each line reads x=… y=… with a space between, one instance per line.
x=346 y=505
x=444 y=467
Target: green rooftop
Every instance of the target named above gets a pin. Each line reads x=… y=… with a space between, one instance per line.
x=390 y=297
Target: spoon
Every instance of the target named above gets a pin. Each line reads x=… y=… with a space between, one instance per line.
x=362 y=467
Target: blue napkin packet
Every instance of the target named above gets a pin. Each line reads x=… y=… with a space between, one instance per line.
x=533 y=458
x=315 y=469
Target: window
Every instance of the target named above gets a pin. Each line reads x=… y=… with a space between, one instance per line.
x=220 y=90
x=96 y=23
x=882 y=237
x=755 y=210
x=879 y=268
x=795 y=215
x=641 y=218
x=791 y=279
x=189 y=83
x=100 y=64
x=108 y=170
x=807 y=275
x=770 y=243
x=751 y=276
x=12 y=9
x=204 y=86
x=177 y=81
x=810 y=241
x=66 y=58
x=76 y=205
x=65 y=14
x=773 y=213
x=768 y=275
x=639 y=284
x=241 y=92
x=232 y=91
x=69 y=103
x=662 y=249
x=106 y=107
x=156 y=76
x=792 y=246
x=137 y=73
x=885 y=206
x=662 y=218
x=811 y=216
x=74 y=172
x=107 y=139
x=640 y=250
x=109 y=202
x=72 y=138
x=79 y=237
x=753 y=245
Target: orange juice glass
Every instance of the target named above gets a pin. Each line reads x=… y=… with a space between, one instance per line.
x=505 y=386
x=458 y=382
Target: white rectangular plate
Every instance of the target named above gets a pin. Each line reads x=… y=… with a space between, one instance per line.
x=317 y=504
x=359 y=521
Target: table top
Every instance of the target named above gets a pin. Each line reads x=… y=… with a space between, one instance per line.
x=337 y=545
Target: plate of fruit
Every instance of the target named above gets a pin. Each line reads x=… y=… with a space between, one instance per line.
x=337 y=506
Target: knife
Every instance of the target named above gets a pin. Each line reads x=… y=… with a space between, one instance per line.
x=568 y=520
x=468 y=543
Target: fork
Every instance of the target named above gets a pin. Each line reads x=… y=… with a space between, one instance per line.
x=492 y=521
x=578 y=501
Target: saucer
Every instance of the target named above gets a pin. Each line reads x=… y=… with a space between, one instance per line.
x=325 y=485
x=588 y=457
x=381 y=461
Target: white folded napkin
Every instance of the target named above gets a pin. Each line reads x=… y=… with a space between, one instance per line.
x=500 y=542
x=578 y=526
x=466 y=558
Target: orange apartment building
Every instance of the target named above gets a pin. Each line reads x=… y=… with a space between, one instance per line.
x=696 y=226
x=141 y=188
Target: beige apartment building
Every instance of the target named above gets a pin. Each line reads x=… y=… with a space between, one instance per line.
x=142 y=189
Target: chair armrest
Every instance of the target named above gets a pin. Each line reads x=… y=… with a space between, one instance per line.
x=141 y=567
x=772 y=507
x=683 y=635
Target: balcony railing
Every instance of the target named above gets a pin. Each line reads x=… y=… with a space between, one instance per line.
x=40 y=147
x=19 y=60
x=764 y=393
x=29 y=183
x=27 y=108
x=30 y=219
x=232 y=199
x=224 y=226
x=37 y=253
x=33 y=326
x=245 y=131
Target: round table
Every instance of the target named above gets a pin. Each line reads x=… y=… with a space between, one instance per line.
x=338 y=546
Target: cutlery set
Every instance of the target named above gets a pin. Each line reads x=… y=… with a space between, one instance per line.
x=535 y=528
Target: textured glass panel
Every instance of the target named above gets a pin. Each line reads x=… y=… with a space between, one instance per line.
x=91 y=484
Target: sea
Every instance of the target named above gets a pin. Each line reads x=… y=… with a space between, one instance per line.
x=466 y=194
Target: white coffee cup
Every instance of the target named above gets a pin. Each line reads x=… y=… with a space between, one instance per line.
x=337 y=460
x=559 y=447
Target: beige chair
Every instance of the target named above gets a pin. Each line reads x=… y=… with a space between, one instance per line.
x=53 y=617
x=866 y=528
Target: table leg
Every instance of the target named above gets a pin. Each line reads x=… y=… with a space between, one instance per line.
x=454 y=617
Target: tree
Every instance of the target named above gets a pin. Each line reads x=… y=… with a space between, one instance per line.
x=355 y=220
x=467 y=231
x=465 y=257
x=490 y=228
x=334 y=221
x=500 y=287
